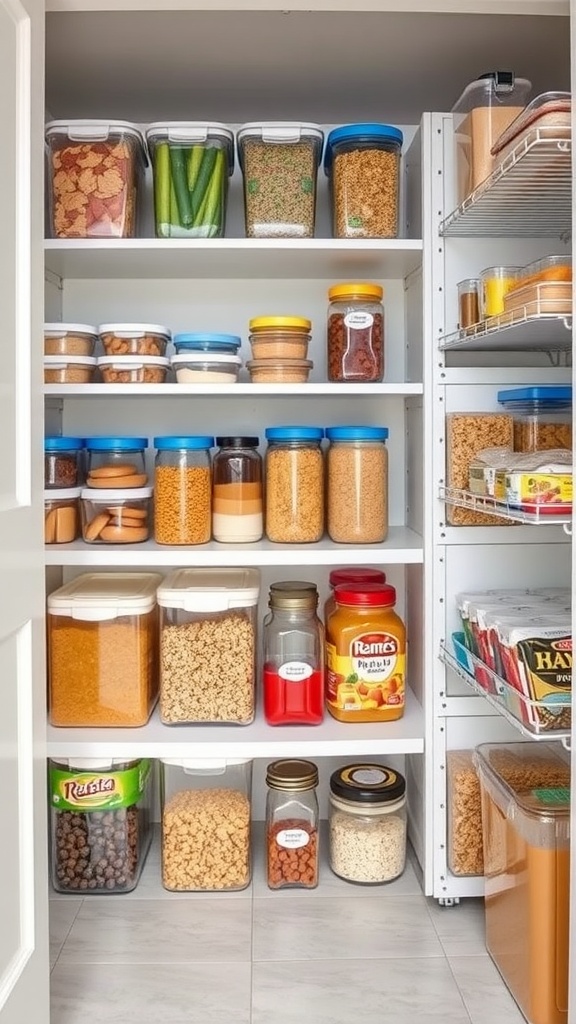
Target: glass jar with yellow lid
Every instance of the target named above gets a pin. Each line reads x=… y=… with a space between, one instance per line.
x=280 y=337
x=355 y=338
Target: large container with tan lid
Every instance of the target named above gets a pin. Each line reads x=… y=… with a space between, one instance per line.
x=526 y=825
x=102 y=650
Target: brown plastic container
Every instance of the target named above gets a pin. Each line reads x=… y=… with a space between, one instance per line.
x=526 y=821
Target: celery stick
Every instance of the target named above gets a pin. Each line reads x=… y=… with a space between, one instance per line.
x=180 y=180
x=174 y=218
x=162 y=185
x=194 y=163
x=203 y=180
x=214 y=191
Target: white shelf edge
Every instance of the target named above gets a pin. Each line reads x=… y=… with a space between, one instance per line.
x=230 y=390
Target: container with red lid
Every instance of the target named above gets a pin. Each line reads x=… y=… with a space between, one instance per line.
x=353 y=574
x=365 y=654
x=293 y=656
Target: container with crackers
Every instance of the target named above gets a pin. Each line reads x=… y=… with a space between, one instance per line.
x=115 y=516
x=116 y=463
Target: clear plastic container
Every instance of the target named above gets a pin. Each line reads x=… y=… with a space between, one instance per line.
x=204 y=368
x=279 y=371
x=293 y=672
x=69 y=339
x=95 y=175
x=61 y=515
x=100 y=824
x=549 y=268
x=279 y=162
x=237 y=491
x=133 y=369
x=368 y=823
x=495 y=283
x=468 y=302
x=116 y=462
x=206 y=824
x=292 y=823
x=201 y=341
x=134 y=339
x=192 y=161
x=362 y=162
x=357 y=478
x=102 y=650
x=467 y=434
x=116 y=516
x=542 y=417
x=208 y=645
x=354 y=575
x=280 y=337
x=465 y=855
x=483 y=111
x=69 y=369
x=294 y=485
x=526 y=819
x=183 y=490
x=550 y=114
x=63 y=462
x=355 y=333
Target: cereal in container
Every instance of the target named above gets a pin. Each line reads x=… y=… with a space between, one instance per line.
x=183 y=490
x=362 y=162
x=357 y=472
x=294 y=485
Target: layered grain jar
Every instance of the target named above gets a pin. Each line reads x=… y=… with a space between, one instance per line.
x=294 y=485
x=237 y=495
x=357 y=471
x=183 y=490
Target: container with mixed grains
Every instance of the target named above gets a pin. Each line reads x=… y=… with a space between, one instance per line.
x=368 y=821
x=542 y=417
x=183 y=490
x=294 y=485
x=362 y=162
x=292 y=821
x=237 y=494
x=357 y=478
x=355 y=333
x=102 y=650
x=365 y=655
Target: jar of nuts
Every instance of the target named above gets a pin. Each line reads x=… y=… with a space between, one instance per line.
x=357 y=484
x=100 y=824
x=355 y=333
x=294 y=485
x=292 y=820
x=134 y=339
x=205 y=824
x=183 y=490
x=367 y=823
x=362 y=162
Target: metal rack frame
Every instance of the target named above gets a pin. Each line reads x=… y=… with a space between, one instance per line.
x=466 y=499
x=517 y=330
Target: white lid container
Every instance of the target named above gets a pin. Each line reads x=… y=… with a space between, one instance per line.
x=62 y=493
x=210 y=590
x=205 y=765
x=96 y=130
x=132 y=362
x=96 y=495
x=58 y=330
x=64 y=362
x=192 y=131
x=96 y=597
x=128 y=330
x=280 y=132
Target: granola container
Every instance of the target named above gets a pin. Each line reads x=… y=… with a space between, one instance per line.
x=69 y=369
x=95 y=173
x=69 y=339
x=467 y=434
x=134 y=339
x=465 y=855
x=133 y=369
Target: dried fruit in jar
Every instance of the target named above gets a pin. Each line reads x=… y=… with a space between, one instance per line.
x=93 y=189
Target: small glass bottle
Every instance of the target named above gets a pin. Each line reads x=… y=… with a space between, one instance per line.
x=294 y=485
x=292 y=821
x=293 y=656
x=357 y=467
x=183 y=490
x=237 y=493
x=468 y=303
x=355 y=333
x=367 y=823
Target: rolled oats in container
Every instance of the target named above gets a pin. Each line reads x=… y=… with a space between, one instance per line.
x=362 y=162
x=367 y=823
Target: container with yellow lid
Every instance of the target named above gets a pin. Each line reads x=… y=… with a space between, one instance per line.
x=280 y=337
x=355 y=338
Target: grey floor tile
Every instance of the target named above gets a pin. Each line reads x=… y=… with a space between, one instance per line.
x=326 y=928
x=483 y=991
x=135 y=994
x=365 y=992
x=159 y=931
x=460 y=928
x=62 y=916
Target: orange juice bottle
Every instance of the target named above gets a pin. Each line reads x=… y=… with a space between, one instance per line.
x=365 y=655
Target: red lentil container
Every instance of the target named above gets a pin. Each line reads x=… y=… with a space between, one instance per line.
x=355 y=341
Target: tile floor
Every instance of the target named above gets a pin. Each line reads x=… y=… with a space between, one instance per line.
x=338 y=954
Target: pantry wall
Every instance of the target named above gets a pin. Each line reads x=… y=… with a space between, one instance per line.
x=220 y=285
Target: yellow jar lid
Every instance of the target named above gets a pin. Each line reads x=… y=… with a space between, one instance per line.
x=291 y=323
x=356 y=290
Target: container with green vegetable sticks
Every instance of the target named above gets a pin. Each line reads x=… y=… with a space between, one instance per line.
x=279 y=161
x=192 y=161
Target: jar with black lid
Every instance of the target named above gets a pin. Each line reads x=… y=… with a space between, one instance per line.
x=367 y=823
x=237 y=495
x=292 y=819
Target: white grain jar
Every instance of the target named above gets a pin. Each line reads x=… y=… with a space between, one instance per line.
x=367 y=823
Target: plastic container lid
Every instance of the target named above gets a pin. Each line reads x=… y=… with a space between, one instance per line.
x=559 y=395
x=546 y=808
x=58 y=330
x=134 y=330
x=277 y=132
x=289 y=323
x=100 y=596
x=193 y=131
x=133 y=361
x=96 y=130
x=175 y=443
x=361 y=132
x=205 y=342
x=356 y=576
x=498 y=85
x=368 y=783
x=294 y=433
x=210 y=590
x=97 y=494
x=201 y=358
x=207 y=766
x=62 y=493
x=108 y=444
x=376 y=595
x=360 y=290
x=56 y=362
x=93 y=764
x=63 y=444
x=357 y=433
x=238 y=442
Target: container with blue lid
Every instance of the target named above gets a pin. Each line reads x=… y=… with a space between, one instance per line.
x=362 y=162
x=116 y=462
x=357 y=469
x=542 y=417
x=202 y=341
x=62 y=462
x=294 y=433
x=294 y=484
x=357 y=433
x=183 y=489
x=175 y=443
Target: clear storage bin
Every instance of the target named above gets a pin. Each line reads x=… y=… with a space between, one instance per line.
x=355 y=333
x=550 y=114
x=183 y=490
x=208 y=645
x=279 y=161
x=468 y=302
x=465 y=856
x=61 y=515
x=294 y=485
x=495 y=283
x=134 y=339
x=192 y=161
x=69 y=369
x=542 y=417
x=62 y=462
x=525 y=791
x=133 y=369
x=206 y=368
x=362 y=162
x=280 y=337
x=116 y=462
x=69 y=339
x=206 y=825
x=292 y=823
x=95 y=175
x=100 y=824
x=357 y=471
x=368 y=823
x=102 y=650
x=116 y=516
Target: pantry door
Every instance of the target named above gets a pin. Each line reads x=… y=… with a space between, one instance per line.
x=23 y=876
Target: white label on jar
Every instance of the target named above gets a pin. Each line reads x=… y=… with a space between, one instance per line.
x=293 y=838
x=369 y=776
x=295 y=671
x=358 y=321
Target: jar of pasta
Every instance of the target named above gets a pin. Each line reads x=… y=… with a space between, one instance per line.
x=294 y=485
x=367 y=823
x=183 y=490
x=357 y=484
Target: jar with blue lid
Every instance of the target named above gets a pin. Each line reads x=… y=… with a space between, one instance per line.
x=357 y=468
x=542 y=417
x=183 y=489
x=294 y=485
x=116 y=462
x=362 y=162
x=204 y=341
x=62 y=462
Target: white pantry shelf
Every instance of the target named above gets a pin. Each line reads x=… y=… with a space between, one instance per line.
x=229 y=391
x=406 y=736
x=402 y=547
x=266 y=258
